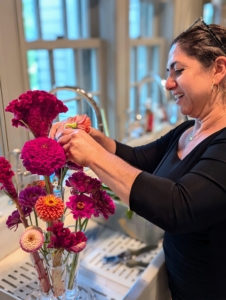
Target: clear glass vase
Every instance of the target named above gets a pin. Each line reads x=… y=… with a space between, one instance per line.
x=75 y=290
x=56 y=272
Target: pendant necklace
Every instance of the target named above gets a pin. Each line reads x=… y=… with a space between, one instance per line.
x=191 y=137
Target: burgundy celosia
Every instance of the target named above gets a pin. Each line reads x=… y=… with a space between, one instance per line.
x=14 y=220
x=30 y=195
x=37 y=109
x=80 y=182
x=81 y=206
x=103 y=204
x=63 y=238
x=6 y=175
x=42 y=156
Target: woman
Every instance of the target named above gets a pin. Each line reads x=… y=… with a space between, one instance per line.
x=179 y=181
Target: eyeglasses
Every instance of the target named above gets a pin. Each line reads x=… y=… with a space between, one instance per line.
x=210 y=32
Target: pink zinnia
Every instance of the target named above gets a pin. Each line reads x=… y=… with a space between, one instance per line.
x=63 y=238
x=37 y=109
x=81 y=206
x=80 y=122
x=42 y=156
x=103 y=204
x=80 y=182
x=31 y=240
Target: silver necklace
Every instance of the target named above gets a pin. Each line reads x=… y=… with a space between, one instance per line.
x=191 y=137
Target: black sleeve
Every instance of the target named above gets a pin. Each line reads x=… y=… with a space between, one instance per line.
x=197 y=200
x=145 y=157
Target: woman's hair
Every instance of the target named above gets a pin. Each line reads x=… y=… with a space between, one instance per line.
x=199 y=43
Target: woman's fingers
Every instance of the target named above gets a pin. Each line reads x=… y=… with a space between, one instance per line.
x=53 y=130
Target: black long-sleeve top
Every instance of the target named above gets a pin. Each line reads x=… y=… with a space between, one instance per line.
x=186 y=198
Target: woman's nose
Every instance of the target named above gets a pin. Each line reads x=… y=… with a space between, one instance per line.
x=170 y=83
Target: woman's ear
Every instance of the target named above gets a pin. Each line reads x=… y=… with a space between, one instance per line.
x=219 y=69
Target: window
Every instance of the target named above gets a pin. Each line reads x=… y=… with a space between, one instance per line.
x=60 y=50
x=146 y=53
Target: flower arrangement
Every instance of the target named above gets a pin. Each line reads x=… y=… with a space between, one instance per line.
x=36 y=110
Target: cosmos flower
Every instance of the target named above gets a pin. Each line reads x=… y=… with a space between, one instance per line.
x=49 y=208
x=30 y=195
x=31 y=240
x=36 y=109
x=81 y=206
x=80 y=122
x=103 y=204
x=80 y=182
x=63 y=238
x=42 y=156
x=14 y=220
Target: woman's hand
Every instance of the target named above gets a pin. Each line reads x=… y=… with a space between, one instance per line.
x=57 y=129
x=79 y=146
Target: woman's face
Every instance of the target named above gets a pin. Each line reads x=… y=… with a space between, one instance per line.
x=189 y=83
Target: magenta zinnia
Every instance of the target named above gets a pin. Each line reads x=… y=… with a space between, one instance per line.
x=80 y=182
x=103 y=204
x=63 y=238
x=37 y=109
x=42 y=156
x=81 y=206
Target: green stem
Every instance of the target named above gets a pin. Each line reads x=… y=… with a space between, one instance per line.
x=36 y=218
x=85 y=223
x=27 y=127
x=73 y=271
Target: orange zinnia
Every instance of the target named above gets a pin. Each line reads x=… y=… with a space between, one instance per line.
x=49 y=208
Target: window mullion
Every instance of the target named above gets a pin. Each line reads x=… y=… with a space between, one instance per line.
x=64 y=16
x=38 y=18
x=51 y=67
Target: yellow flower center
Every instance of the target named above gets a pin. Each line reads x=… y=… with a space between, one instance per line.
x=50 y=200
x=71 y=125
x=80 y=205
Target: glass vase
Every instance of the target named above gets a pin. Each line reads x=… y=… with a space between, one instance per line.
x=75 y=290
x=57 y=279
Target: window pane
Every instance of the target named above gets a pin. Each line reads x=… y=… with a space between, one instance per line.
x=64 y=67
x=141 y=15
x=73 y=18
x=208 y=13
x=51 y=18
x=39 y=70
x=134 y=19
x=142 y=67
x=30 y=20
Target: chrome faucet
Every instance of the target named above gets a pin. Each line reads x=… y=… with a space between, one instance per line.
x=88 y=98
x=136 y=119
